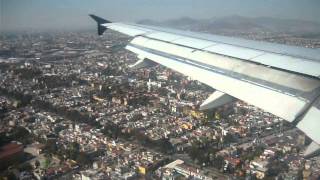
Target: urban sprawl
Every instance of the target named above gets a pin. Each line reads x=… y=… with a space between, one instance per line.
x=71 y=108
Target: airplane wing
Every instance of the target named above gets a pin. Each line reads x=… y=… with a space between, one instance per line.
x=280 y=79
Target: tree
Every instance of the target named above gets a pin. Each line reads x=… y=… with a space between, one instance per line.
x=275 y=167
x=37 y=164
x=8 y=175
x=25 y=167
x=258 y=150
x=4 y=139
x=73 y=150
x=47 y=162
x=165 y=146
x=51 y=147
x=193 y=152
x=203 y=158
x=228 y=139
x=21 y=134
x=218 y=162
x=83 y=159
x=278 y=155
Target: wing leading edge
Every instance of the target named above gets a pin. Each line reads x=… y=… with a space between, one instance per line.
x=279 y=79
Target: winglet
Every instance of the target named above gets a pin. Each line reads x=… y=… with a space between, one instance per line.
x=100 y=21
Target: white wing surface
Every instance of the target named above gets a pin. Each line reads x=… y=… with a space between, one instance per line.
x=280 y=79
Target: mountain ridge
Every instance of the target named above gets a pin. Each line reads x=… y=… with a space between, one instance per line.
x=240 y=23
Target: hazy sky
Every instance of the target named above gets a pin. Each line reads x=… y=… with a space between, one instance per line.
x=62 y=14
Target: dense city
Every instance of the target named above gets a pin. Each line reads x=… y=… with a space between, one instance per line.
x=71 y=108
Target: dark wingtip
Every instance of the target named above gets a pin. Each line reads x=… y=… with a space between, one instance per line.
x=100 y=21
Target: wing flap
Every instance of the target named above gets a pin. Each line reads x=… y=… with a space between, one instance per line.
x=215 y=100
x=233 y=51
x=193 y=42
x=238 y=68
x=283 y=105
x=309 y=123
x=164 y=36
x=299 y=65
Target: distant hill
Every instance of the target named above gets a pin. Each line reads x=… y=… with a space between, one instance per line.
x=241 y=24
